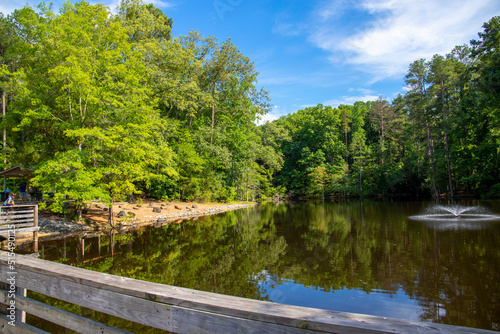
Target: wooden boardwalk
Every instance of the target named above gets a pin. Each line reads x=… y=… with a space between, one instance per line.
x=171 y=308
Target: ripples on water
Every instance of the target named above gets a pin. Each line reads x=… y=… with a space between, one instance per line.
x=364 y=257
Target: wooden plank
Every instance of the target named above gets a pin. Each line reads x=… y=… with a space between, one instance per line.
x=126 y=307
x=157 y=315
x=16 y=216
x=20 y=221
x=235 y=307
x=35 y=232
x=22 y=230
x=8 y=221
x=203 y=301
x=61 y=317
x=13 y=213
x=13 y=225
x=143 y=311
x=3 y=213
x=237 y=303
x=186 y=320
x=19 y=328
x=2 y=221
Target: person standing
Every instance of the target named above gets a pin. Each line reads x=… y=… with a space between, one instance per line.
x=10 y=200
x=22 y=192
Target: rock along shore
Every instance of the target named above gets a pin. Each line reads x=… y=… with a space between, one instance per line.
x=52 y=227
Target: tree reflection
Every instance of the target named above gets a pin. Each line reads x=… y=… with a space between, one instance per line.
x=359 y=246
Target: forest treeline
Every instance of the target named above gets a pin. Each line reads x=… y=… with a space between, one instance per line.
x=108 y=104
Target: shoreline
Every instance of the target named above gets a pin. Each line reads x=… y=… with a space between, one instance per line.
x=137 y=216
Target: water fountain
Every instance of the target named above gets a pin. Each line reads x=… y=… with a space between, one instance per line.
x=444 y=217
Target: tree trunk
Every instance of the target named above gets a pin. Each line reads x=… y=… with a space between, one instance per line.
x=247 y=183
x=361 y=178
x=446 y=141
x=212 y=128
x=110 y=216
x=429 y=151
x=346 y=147
x=79 y=210
x=213 y=117
x=382 y=148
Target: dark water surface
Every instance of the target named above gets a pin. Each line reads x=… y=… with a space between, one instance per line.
x=362 y=257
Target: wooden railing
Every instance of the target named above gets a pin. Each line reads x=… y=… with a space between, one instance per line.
x=18 y=218
x=170 y=308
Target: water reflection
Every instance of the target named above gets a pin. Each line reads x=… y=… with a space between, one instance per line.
x=389 y=303
x=362 y=257
x=456 y=225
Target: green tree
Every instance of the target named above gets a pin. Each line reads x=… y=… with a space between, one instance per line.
x=442 y=77
x=417 y=79
x=229 y=77
x=359 y=151
x=85 y=95
x=382 y=116
x=316 y=140
x=486 y=52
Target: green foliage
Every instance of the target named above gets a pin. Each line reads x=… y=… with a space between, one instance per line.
x=67 y=177
x=441 y=137
x=110 y=105
x=107 y=105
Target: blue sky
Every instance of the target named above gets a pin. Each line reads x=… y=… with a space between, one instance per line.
x=327 y=51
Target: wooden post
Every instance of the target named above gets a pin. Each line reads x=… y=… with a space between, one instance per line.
x=112 y=242
x=35 y=233
x=4 y=140
x=3 y=307
x=20 y=315
x=64 y=248
x=83 y=249
x=99 y=245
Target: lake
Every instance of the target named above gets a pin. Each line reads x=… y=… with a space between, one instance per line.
x=358 y=256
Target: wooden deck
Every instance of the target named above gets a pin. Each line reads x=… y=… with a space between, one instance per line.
x=173 y=309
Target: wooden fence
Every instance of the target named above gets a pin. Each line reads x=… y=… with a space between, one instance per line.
x=170 y=308
x=19 y=219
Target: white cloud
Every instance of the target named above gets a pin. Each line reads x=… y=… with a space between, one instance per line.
x=398 y=32
x=350 y=100
x=380 y=5
x=113 y=4
x=7 y=7
x=285 y=26
x=266 y=118
x=365 y=96
x=161 y=4
x=362 y=90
